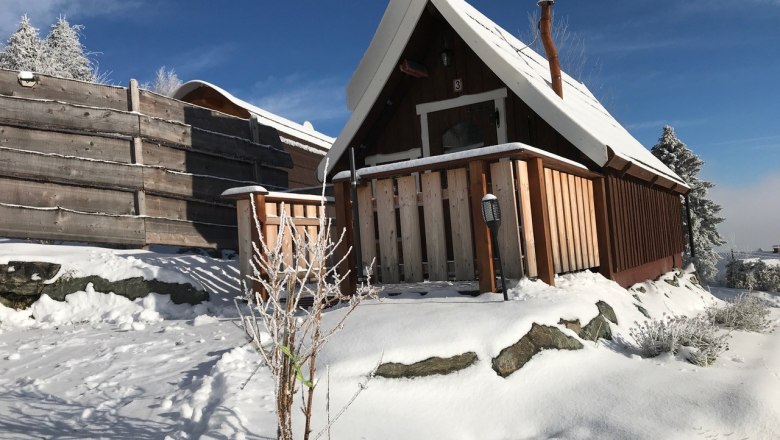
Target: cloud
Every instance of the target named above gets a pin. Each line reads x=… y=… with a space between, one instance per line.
x=300 y=98
x=43 y=13
x=751 y=213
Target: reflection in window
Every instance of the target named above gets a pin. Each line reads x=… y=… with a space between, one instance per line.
x=462 y=136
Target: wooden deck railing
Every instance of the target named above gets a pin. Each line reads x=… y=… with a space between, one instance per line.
x=421 y=219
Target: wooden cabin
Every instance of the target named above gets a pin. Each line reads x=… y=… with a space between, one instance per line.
x=448 y=106
x=306 y=146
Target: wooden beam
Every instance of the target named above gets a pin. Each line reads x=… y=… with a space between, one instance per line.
x=342 y=194
x=603 y=228
x=413 y=69
x=478 y=170
x=543 y=241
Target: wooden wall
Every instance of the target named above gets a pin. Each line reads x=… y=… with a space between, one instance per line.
x=393 y=125
x=89 y=162
x=645 y=223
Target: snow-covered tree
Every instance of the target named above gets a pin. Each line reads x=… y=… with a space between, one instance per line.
x=63 y=53
x=704 y=212
x=24 y=48
x=166 y=82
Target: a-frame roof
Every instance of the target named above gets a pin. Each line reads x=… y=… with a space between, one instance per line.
x=579 y=117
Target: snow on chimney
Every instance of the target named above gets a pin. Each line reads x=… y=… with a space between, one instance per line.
x=545 y=28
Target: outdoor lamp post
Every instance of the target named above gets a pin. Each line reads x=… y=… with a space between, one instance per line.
x=491 y=213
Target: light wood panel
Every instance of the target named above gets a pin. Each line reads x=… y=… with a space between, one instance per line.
x=503 y=179
x=388 y=232
x=460 y=213
x=410 y=229
x=435 y=238
x=527 y=222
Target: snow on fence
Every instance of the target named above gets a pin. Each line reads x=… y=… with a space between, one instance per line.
x=421 y=219
x=91 y=162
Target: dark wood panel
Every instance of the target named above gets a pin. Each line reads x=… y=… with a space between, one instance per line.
x=67 y=170
x=58 y=224
x=177 y=209
x=181 y=233
x=170 y=109
x=211 y=142
x=45 y=195
x=187 y=186
x=68 y=90
x=67 y=144
x=59 y=115
x=156 y=154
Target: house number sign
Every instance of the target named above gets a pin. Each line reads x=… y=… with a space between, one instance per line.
x=457 y=85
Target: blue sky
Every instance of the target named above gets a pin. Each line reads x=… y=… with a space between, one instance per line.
x=710 y=68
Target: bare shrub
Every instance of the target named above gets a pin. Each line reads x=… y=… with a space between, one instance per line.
x=286 y=334
x=700 y=340
x=745 y=312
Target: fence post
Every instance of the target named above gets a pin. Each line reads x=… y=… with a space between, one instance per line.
x=137 y=156
x=257 y=229
x=342 y=192
x=602 y=228
x=541 y=220
x=478 y=170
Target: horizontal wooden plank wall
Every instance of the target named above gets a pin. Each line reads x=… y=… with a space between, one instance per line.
x=571 y=212
x=88 y=162
x=646 y=222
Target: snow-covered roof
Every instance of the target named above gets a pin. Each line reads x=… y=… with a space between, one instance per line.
x=579 y=117
x=287 y=128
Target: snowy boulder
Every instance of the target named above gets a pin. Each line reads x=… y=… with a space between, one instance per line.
x=541 y=337
x=428 y=367
x=25 y=278
x=597 y=328
x=23 y=282
x=130 y=288
x=607 y=311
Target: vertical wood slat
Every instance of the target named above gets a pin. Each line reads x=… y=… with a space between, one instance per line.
x=137 y=153
x=551 y=210
x=435 y=238
x=271 y=231
x=605 y=227
x=298 y=211
x=388 y=235
x=594 y=238
x=586 y=260
x=561 y=220
x=567 y=216
x=575 y=223
x=344 y=223
x=526 y=217
x=410 y=229
x=478 y=171
x=538 y=192
x=257 y=222
x=503 y=180
x=311 y=231
x=460 y=220
x=367 y=229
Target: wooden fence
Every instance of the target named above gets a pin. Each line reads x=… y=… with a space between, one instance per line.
x=89 y=162
x=260 y=211
x=422 y=220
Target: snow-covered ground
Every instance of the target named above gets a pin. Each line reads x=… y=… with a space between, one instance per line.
x=101 y=366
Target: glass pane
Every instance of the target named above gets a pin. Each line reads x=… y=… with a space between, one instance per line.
x=463 y=136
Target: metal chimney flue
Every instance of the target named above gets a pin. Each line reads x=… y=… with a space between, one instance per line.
x=545 y=29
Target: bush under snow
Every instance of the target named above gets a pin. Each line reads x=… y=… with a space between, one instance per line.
x=698 y=339
x=745 y=312
x=753 y=275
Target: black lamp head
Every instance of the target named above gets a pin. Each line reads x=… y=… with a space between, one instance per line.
x=491 y=211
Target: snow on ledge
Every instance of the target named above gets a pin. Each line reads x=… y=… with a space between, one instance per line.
x=238 y=192
x=513 y=147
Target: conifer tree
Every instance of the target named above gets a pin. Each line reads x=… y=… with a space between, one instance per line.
x=704 y=212
x=24 y=49
x=63 y=53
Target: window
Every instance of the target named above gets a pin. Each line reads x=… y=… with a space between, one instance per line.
x=464 y=135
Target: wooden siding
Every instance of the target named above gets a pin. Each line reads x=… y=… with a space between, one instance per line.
x=645 y=221
x=81 y=162
x=571 y=215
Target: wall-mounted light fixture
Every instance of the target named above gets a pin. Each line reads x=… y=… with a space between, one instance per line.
x=491 y=213
x=27 y=79
x=446 y=58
